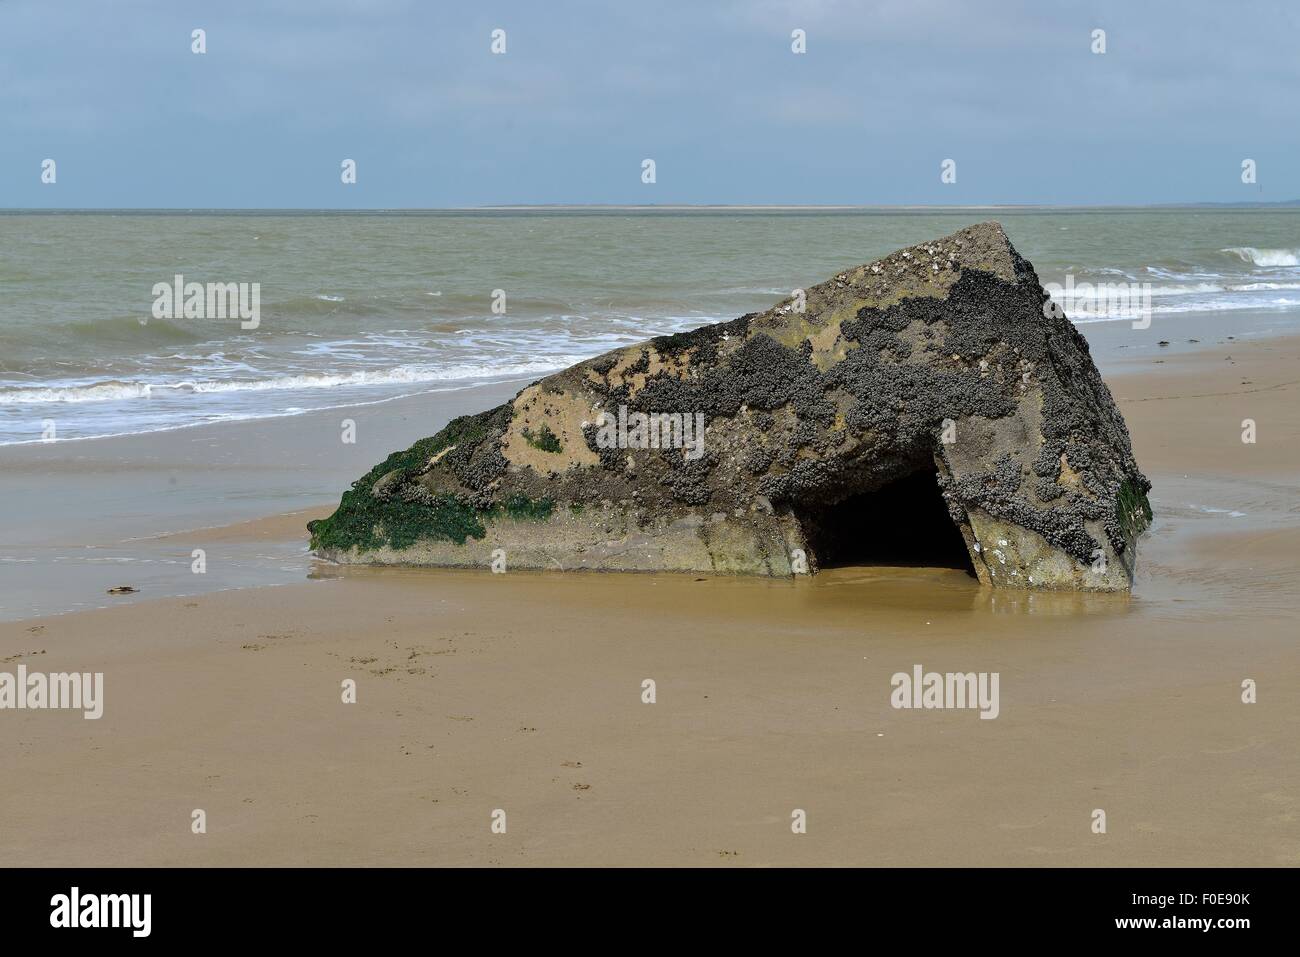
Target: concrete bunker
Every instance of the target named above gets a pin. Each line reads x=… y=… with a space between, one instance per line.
x=901 y=406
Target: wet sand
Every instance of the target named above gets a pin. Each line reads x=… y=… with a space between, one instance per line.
x=80 y=517
x=523 y=692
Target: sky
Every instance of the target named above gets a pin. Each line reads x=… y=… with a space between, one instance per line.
x=712 y=92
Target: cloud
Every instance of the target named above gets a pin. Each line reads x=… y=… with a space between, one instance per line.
x=885 y=90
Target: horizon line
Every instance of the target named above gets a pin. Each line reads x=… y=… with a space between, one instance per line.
x=654 y=207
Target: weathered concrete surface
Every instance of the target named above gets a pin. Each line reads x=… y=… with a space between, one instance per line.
x=939 y=358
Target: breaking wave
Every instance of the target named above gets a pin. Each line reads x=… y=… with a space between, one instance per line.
x=116 y=391
x=1265 y=258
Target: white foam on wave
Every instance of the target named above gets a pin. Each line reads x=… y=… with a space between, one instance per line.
x=229 y=417
x=1102 y=314
x=110 y=391
x=1263 y=286
x=1175 y=292
x=1265 y=257
x=116 y=391
x=1086 y=292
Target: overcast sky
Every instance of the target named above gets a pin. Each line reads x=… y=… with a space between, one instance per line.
x=585 y=92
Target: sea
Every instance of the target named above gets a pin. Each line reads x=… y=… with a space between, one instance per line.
x=362 y=308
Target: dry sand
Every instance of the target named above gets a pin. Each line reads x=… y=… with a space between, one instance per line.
x=523 y=692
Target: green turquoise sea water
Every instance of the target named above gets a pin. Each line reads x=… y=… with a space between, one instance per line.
x=360 y=308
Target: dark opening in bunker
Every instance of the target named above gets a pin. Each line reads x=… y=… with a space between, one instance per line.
x=903 y=523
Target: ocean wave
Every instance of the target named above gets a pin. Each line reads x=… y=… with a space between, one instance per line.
x=116 y=390
x=1263 y=286
x=1104 y=290
x=1265 y=258
x=1089 y=292
x=116 y=330
x=228 y=417
x=1085 y=313
x=108 y=391
x=1187 y=290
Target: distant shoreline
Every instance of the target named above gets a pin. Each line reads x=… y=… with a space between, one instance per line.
x=1293 y=204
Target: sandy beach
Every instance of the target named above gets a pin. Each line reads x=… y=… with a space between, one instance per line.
x=523 y=692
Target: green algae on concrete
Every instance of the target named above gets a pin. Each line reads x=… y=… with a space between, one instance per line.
x=1132 y=509
x=546 y=440
x=373 y=514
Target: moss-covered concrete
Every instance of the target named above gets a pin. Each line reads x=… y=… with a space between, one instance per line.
x=939 y=357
